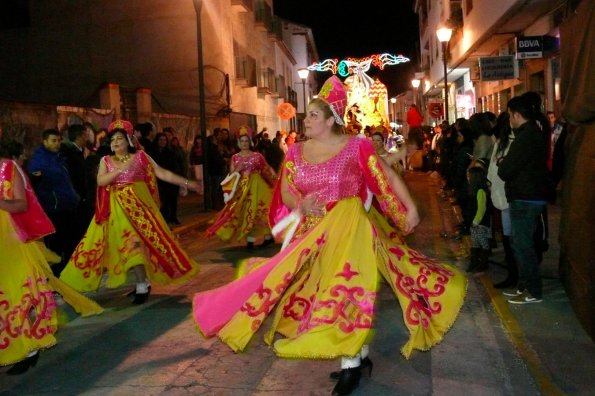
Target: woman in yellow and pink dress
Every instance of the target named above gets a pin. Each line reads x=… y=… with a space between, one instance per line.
x=322 y=287
x=28 y=316
x=245 y=214
x=128 y=231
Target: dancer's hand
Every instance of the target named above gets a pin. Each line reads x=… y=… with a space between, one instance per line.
x=311 y=206
x=191 y=185
x=412 y=219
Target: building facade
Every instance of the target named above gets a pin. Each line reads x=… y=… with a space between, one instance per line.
x=487 y=59
x=139 y=60
x=501 y=49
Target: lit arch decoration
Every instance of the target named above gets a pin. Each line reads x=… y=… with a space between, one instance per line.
x=349 y=66
x=371 y=97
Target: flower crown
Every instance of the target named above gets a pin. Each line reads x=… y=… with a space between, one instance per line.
x=121 y=124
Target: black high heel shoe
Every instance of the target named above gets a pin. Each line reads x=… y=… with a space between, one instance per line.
x=348 y=381
x=366 y=365
x=266 y=243
x=133 y=292
x=22 y=366
x=141 y=298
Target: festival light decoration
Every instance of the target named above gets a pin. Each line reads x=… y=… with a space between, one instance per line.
x=285 y=111
x=368 y=95
x=350 y=66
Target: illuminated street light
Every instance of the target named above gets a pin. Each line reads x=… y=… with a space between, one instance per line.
x=444 y=34
x=415 y=84
x=303 y=73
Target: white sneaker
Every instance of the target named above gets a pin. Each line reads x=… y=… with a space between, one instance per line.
x=512 y=292
x=524 y=298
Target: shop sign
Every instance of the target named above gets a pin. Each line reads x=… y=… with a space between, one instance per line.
x=495 y=68
x=436 y=109
x=529 y=47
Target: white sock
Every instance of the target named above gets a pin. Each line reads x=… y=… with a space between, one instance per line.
x=250 y=239
x=142 y=288
x=365 y=351
x=353 y=362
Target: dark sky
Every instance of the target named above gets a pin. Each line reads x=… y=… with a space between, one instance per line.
x=343 y=28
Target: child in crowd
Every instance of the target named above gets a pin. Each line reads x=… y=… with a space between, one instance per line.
x=479 y=207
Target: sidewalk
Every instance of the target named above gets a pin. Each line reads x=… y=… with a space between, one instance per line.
x=155 y=349
x=547 y=336
x=192 y=214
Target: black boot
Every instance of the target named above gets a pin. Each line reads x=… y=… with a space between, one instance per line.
x=250 y=245
x=348 y=381
x=482 y=262
x=266 y=243
x=473 y=260
x=141 y=298
x=512 y=277
x=366 y=367
x=22 y=366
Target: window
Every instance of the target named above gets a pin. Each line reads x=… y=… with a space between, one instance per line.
x=468 y=6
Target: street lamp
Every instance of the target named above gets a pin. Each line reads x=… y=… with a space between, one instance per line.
x=303 y=73
x=444 y=34
x=394 y=106
x=415 y=84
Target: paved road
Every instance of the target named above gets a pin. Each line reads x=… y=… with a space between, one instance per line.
x=155 y=349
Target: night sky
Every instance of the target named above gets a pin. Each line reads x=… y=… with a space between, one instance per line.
x=343 y=29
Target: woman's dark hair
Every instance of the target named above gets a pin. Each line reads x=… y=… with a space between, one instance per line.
x=4 y=152
x=15 y=149
x=131 y=148
x=534 y=101
x=326 y=110
x=480 y=125
x=478 y=179
x=502 y=132
x=379 y=134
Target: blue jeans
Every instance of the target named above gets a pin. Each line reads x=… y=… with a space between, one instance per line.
x=523 y=218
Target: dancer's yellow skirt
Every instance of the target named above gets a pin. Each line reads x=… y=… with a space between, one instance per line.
x=134 y=234
x=322 y=290
x=246 y=214
x=28 y=317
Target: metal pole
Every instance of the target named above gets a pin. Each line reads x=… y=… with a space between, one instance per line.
x=444 y=49
x=202 y=111
x=305 y=104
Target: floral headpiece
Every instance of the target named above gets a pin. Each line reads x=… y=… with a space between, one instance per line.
x=333 y=93
x=121 y=124
x=245 y=130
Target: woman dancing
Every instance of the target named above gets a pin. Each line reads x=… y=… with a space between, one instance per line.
x=322 y=286
x=245 y=214
x=28 y=315
x=128 y=231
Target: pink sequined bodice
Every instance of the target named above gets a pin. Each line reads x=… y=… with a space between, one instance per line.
x=337 y=178
x=135 y=172
x=253 y=163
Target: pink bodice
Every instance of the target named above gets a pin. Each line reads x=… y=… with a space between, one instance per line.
x=337 y=178
x=254 y=163
x=136 y=171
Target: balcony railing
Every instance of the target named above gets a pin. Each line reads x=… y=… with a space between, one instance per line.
x=263 y=15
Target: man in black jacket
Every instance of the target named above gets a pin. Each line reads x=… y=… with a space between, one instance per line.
x=524 y=172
